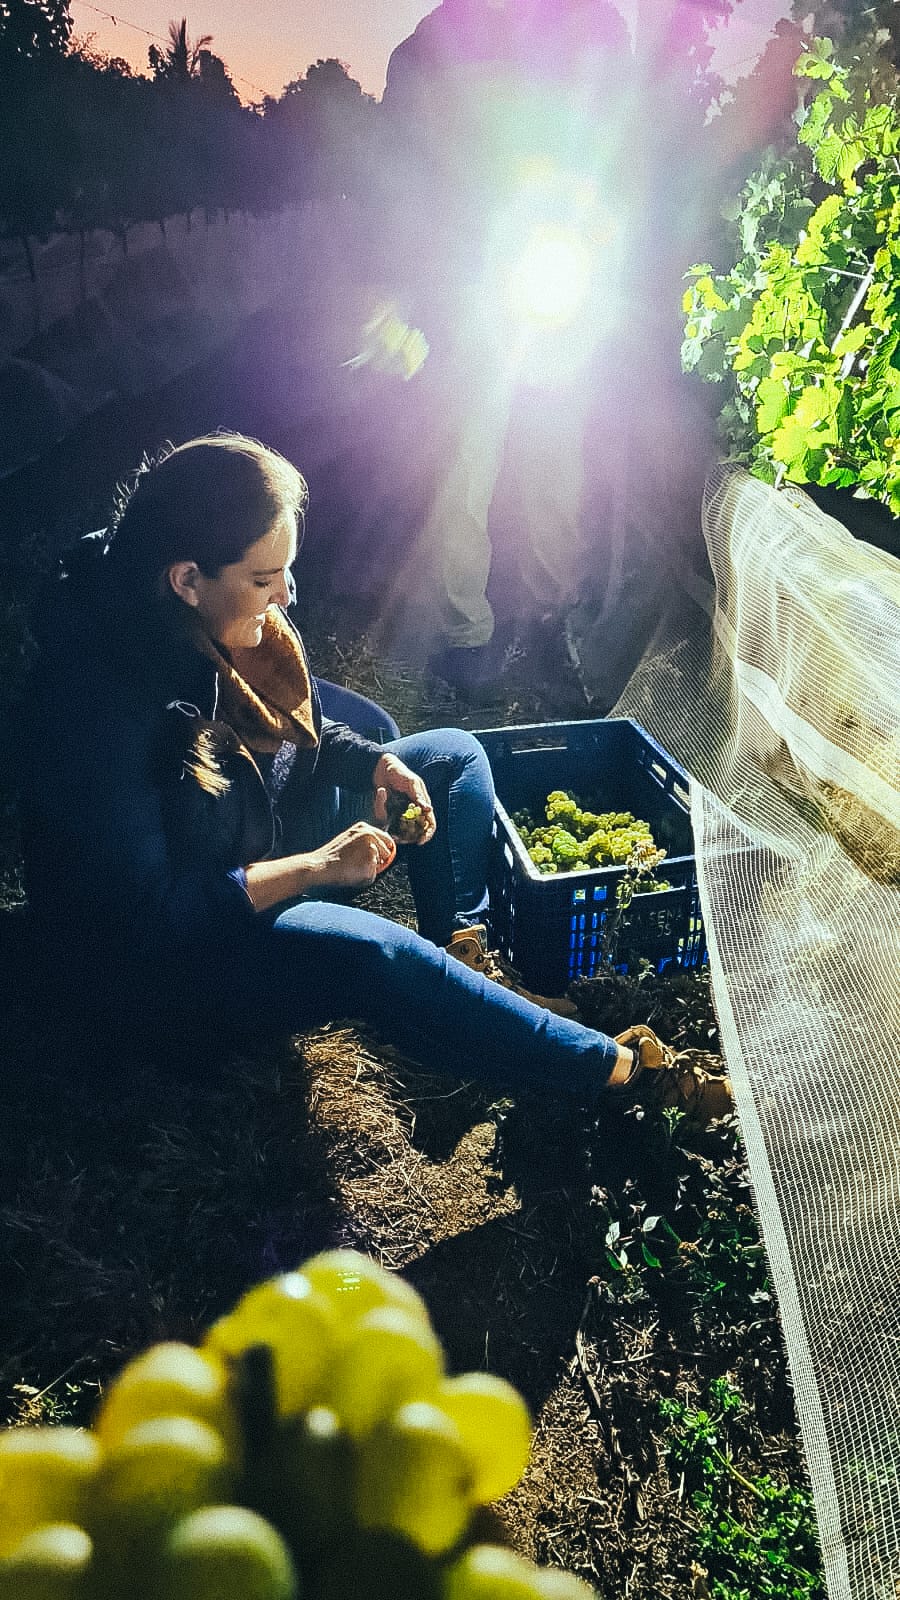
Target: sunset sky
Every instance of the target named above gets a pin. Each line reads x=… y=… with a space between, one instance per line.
x=265 y=43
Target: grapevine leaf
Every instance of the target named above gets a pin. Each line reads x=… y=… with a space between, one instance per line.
x=825 y=215
x=817 y=119
x=708 y=295
x=869 y=408
x=837 y=255
x=854 y=339
x=691 y=351
x=712 y=363
x=789 y=444
x=828 y=155
x=813 y=466
x=773 y=400
x=881 y=360
x=812 y=66
x=796 y=436
x=850 y=159
x=892 y=399
x=734 y=321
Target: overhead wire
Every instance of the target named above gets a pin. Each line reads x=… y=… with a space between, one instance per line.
x=124 y=22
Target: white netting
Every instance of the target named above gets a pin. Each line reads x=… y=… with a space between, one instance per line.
x=778 y=692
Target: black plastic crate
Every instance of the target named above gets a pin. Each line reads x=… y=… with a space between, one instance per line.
x=551 y=926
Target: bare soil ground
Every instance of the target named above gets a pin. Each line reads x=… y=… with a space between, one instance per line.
x=602 y=1263
x=138 y=1200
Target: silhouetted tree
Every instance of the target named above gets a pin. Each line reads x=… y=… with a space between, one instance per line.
x=675 y=43
x=84 y=49
x=33 y=38
x=319 y=126
x=859 y=28
x=179 y=62
x=86 y=144
x=100 y=99
x=201 y=126
x=33 y=29
x=760 y=108
x=213 y=79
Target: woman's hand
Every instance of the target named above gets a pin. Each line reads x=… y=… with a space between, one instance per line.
x=392 y=777
x=352 y=859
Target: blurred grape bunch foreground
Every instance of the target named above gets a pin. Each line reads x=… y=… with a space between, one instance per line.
x=313 y=1447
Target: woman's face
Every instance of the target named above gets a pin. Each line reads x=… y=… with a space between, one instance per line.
x=232 y=607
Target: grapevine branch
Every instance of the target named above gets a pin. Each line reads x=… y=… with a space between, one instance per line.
x=852 y=309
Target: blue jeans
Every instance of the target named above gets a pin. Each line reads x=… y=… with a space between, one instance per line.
x=318 y=960
x=448 y=875
x=361 y=714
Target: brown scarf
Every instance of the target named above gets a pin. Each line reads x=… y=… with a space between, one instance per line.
x=265 y=693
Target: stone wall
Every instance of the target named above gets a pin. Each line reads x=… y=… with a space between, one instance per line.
x=110 y=324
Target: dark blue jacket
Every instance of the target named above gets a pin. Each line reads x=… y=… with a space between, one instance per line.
x=131 y=866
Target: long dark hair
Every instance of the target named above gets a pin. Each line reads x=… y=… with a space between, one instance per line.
x=206 y=501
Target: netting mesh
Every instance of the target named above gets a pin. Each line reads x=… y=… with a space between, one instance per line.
x=778 y=691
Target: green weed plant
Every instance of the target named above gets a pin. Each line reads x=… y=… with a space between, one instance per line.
x=703 y=1268
x=757 y=1538
x=710 y=1254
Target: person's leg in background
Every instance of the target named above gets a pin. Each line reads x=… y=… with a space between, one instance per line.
x=458 y=526
x=542 y=546
x=447 y=582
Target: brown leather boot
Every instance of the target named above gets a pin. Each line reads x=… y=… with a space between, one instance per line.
x=469 y=945
x=699 y=1088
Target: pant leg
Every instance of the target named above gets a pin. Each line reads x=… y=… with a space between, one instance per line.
x=477 y=394
x=551 y=495
x=317 y=962
x=361 y=714
x=448 y=876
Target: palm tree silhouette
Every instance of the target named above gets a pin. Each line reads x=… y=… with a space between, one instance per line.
x=180 y=60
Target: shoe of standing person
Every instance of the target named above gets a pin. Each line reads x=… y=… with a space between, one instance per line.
x=474 y=670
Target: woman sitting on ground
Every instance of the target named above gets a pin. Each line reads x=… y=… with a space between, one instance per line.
x=194 y=826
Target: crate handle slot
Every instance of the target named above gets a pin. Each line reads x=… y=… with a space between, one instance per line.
x=527 y=745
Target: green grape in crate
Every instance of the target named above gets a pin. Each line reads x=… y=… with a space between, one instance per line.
x=572 y=839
